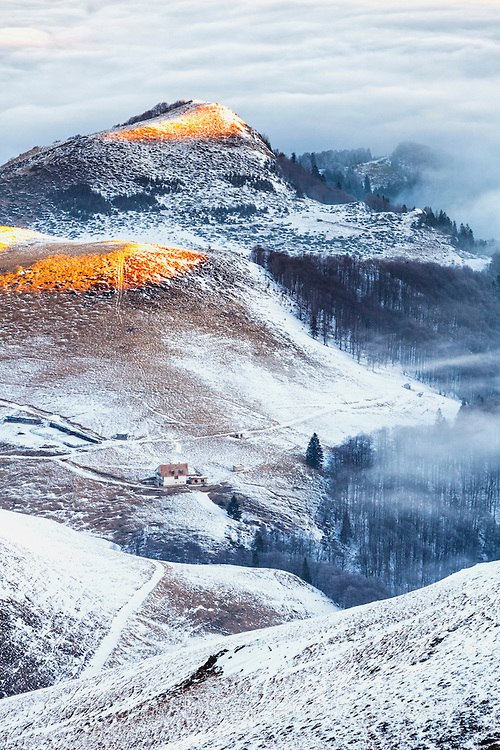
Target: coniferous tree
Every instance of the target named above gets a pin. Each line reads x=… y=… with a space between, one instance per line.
x=314 y=453
x=440 y=420
x=313 y=327
x=233 y=509
x=315 y=171
x=257 y=548
x=306 y=573
x=346 y=532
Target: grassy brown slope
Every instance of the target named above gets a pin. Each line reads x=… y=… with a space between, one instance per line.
x=125 y=350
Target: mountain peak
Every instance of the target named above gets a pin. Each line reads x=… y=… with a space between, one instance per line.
x=195 y=119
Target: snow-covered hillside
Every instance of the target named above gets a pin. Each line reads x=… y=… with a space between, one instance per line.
x=419 y=671
x=118 y=356
x=70 y=603
x=60 y=591
x=181 y=368
x=199 y=603
x=196 y=176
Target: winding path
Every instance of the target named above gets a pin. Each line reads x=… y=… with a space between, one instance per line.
x=110 y=641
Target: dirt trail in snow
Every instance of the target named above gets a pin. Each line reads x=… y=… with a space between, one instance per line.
x=88 y=473
x=336 y=407
x=110 y=641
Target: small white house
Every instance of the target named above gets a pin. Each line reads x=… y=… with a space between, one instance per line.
x=171 y=475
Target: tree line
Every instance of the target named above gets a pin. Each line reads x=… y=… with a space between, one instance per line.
x=422 y=315
x=412 y=505
x=402 y=509
x=463 y=236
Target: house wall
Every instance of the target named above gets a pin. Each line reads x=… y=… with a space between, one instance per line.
x=172 y=481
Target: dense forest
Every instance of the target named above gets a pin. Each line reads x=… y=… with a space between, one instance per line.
x=412 y=505
x=439 y=322
x=403 y=508
x=406 y=507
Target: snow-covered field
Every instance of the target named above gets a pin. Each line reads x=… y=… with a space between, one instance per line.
x=70 y=602
x=419 y=671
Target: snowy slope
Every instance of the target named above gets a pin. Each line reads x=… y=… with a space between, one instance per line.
x=419 y=671
x=196 y=175
x=70 y=603
x=181 y=369
x=59 y=590
x=199 y=603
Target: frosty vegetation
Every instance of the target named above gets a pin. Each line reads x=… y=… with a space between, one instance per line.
x=410 y=506
x=349 y=169
x=422 y=315
x=404 y=508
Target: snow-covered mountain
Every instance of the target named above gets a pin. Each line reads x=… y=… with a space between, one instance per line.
x=143 y=335
x=71 y=603
x=418 y=671
x=195 y=175
x=181 y=367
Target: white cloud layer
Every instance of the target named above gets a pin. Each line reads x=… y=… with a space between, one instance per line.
x=311 y=74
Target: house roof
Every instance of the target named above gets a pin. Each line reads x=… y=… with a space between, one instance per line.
x=165 y=470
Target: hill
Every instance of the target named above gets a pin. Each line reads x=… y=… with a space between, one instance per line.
x=71 y=603
x=194 y=174
x=420 y=670
x=180 y=367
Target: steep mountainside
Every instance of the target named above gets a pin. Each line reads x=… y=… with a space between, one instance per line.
x=194 y=175
x=70 y=603
x=419 y=671
x=182 y=366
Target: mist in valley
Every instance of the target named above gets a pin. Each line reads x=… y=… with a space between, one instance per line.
x=413 y=505
x=465 y=184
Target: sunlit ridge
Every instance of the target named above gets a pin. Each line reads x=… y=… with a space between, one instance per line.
x=128 y=265
x=14 y=235
x=210 y=121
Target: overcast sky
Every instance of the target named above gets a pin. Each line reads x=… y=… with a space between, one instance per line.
x=311 y=75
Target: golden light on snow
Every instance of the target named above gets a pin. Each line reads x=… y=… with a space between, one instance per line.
x=116 y=265
x=204 y=121
x=14 y=235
